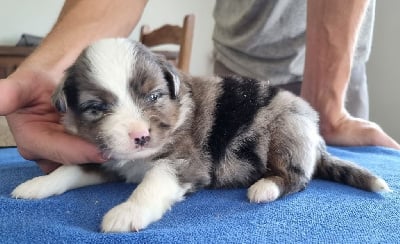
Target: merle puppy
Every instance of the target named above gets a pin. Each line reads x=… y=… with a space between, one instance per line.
x=174 y=134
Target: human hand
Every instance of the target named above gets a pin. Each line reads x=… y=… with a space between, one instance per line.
x=25 y=99
x=349 y=131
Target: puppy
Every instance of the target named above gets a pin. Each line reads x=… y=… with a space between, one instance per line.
x=175 y=134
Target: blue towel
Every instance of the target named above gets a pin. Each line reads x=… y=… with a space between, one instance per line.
x=325 y=212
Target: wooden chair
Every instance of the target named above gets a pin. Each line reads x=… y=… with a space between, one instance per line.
x=172 y=34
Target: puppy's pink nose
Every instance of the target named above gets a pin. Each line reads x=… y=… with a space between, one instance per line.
x=140 y=137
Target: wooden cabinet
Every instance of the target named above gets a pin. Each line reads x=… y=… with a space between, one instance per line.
x=11 y=57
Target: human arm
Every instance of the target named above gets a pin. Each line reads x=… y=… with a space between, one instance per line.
x=25 y=94
x=332 y=30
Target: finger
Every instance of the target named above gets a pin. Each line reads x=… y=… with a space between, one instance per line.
x=358 y=132
x=60 y=147
x=372 y=134
x=389 y=142
x=23 y=88
x=380 y=138
x=47 y=166
x=10 y=96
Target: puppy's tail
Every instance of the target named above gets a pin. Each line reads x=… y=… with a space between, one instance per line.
x=335 y=169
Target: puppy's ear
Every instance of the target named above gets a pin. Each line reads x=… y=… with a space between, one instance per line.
x=171 y=75
x=59 y=100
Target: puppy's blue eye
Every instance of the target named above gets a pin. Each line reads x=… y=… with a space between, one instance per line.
x=153 y=97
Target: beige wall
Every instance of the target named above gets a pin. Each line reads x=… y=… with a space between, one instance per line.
x=383 y=68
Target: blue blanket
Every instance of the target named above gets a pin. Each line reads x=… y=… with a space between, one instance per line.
x=325 y=212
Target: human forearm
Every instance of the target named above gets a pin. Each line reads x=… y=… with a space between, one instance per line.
x=332 y=29
x=80 y=23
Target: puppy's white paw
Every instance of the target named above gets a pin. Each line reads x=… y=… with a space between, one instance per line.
x=37 y=188
x=129 y=216
x=264 y=190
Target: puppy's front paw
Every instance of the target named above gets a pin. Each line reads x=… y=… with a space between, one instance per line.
x=129 y=216
x=37 y=188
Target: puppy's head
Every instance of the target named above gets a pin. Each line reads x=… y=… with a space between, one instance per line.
x=121 y=97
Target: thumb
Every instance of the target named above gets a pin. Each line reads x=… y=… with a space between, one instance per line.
x=10 y=96
x=22 y=88
x=60 y=147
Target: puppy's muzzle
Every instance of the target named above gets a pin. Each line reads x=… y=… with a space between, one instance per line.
x=139 y=133
x=142 y=140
